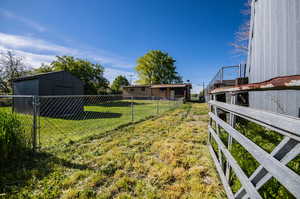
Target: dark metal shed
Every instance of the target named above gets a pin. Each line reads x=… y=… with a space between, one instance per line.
x=49 y=84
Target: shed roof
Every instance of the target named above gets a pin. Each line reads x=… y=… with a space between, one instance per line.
x=30 y=77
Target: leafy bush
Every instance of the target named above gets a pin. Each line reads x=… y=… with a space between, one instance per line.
x=12 y=136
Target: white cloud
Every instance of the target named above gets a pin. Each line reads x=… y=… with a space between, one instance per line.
x=32 y=44
x=36 y=51
x=39 y=46
x=111 y=74
x=35 y=60
x=26 y=21
x=197 y=88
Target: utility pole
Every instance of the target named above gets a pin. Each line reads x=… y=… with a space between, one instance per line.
x=203 y=88
x=130 y=79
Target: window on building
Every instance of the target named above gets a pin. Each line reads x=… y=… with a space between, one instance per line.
x=143 y=88
x=132 y=89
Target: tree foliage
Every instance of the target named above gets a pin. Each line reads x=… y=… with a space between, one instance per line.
x=90 y=74
x=11 y=67
x=157 y=67
x=44 y=68
x=118 y=83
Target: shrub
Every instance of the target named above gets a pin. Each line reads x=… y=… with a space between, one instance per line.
x=12 y=136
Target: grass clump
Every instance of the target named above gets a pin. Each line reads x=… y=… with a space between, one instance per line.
x=13 y=139
x=74 y=178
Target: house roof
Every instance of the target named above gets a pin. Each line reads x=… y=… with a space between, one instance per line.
x=160 y=86
x=29 y=77
x=171 y=85
x=136 y=86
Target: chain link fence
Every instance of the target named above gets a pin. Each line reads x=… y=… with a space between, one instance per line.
x=54 y=120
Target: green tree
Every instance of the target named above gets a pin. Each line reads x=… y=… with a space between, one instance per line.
x=11 y=67
x=89 y=73
x=157 y=67
x=118 y=83
x=43 y=69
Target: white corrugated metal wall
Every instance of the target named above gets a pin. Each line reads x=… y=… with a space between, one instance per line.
x=274 y=50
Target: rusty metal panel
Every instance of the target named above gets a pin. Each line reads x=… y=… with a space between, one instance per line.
x=277 y=83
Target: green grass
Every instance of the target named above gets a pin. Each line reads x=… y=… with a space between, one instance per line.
x=98 y=119
x=164 y=157
x=267 y=140
x=13 y=139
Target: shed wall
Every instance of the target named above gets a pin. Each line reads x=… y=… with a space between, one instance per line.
x=274 y=50
x=57 y=83
x=27 y=87
x=60 y=84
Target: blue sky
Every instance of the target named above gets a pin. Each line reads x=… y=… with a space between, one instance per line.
x=115 y=33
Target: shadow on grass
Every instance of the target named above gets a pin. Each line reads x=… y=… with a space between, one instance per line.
x=85 y=115
x=14 y=173
x=116 y=104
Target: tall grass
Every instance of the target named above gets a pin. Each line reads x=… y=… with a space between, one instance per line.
x=267 y=140
x=13 y=139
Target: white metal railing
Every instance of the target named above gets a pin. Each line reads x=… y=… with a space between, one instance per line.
x=227 y=73
x=272 y=164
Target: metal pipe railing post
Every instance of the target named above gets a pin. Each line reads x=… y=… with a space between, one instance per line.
x=232 y=120
x=222 y=75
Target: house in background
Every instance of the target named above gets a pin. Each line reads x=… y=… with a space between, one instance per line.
x=168 y=91
x=136 y=91
x=49 y=84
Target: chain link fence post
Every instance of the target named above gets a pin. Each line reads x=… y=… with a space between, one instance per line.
x=34 y=122
x=132 y=111
x=174 y=104
x=153 y=104
x=157 y=106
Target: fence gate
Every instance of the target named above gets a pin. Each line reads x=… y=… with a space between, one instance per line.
x=272 y=164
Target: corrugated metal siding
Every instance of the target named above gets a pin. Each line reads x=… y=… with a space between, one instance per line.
x=275 y=51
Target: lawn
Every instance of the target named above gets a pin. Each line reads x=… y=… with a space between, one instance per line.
x=163 y=157
x=96 y=119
